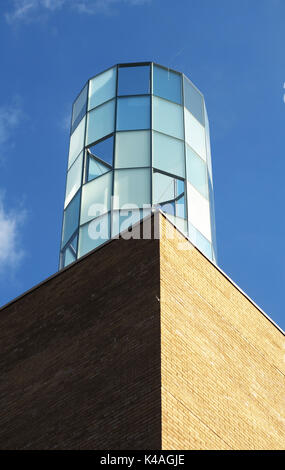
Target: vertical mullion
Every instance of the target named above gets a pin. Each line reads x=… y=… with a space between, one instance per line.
x=114 y=152
x=185 y=157
x=151 y=136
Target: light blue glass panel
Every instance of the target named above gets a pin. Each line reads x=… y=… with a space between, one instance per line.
x=193 y=101
x=73 y=181
x=180 y=223
x=167 y=118
x=131 y=188
x=179 y=188
x=168 y=154
x=104 y=150
x=124 y=219
x=69 y=257
x=163 y=188
x=195 y=135
x=70 y=219
x=100 y=122
x=79 y=108
x=169 y=208
x=95 y=169
x=197 y=172
x=167 y=84
x=133 y=113
x=102 y=88
x=181 y=208
x=200 y=241
x=132 y=149
x=96 y=197
x=134 y=80
x=76 y=142
x=94 y=234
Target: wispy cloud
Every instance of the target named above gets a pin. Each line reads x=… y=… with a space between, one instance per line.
x=10 y=117
x=11 y=252
x=28 y=10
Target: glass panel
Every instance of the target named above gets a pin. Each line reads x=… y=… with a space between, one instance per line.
x=100 y=122
x=134 y=80
x=163 y=188
x=96 y=197
x=133 y=113
x=95 y=169
x=104 y=150
x=132 y=149
x=169 y=208
x=102 y=88
x=199 y=211
x=181 y=208
x=193 y=101
x=179 y=187
x=167 y=118
x=195 y=135
x=73 y=181
x=200 y=241
x=131 y=188
x=76 y=142
x=69 y=257
x=79 y=108
x=70 y=218
x=123 y=219
x=94 y=234
x=167 y=84
x=197 y=172
x=168 y=154
x=181 y=224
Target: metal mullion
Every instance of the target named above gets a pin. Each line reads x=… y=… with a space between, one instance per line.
x=114 y=152
x=97 y=177
x=151 y=135
x=157 y=170
x=101 y=104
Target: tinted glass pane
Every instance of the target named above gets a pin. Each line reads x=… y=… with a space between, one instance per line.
x=132 y=187
x=163 y=188
x=104 y=150
x=70 y=219
x=200 y=241
x=79 y=108
x=123 y=219
x=73 y=181
x=197 y=172
x=179 y=188
x=133 y=113
x=94 y=234
x=168 y=118
x=193 y=101
x=199 y=211
x=69 y=257
x=76 y=142
x=95 y=169
x=181 y=208
x=167 y=84
x=169 y=208
x=102 y=88
x=96 y=197
x=195 y=135
x=100 y=122
x=180 y=223
x=168 y=154
x=132 y=149
x=134 y=80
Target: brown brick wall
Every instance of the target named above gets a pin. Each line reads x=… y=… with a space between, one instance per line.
x=80 y=356
x=222 y=360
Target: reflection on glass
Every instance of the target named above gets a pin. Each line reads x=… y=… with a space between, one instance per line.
x=134 y=80
x=133 y=113
x=100 y=122
x=124 y=219
x=200 y=241
x=102 y=88
x=167 y=117
x=79 y=108
x=76 y=142
x=95 y=168
x=193 y=101
x=167 y=84
x=96 y=197
x=131 y=187
x=199 y=211
x=195 y=135
x=180 y=223
x=132 y=149
x=163 y=188
x=168 y=154
x=196 y=171
x=104 y=150
x=94 y=234
x=70 y=218
x=73 y=181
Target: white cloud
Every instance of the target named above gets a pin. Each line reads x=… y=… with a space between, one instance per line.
x=10 y=117
x=11 y=252
x=28 y=10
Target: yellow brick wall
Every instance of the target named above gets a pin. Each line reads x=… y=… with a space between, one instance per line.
x=223 y=384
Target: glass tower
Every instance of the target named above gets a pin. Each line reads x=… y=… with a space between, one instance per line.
x=139 y=139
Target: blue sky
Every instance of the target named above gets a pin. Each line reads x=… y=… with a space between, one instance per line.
x=233 y=50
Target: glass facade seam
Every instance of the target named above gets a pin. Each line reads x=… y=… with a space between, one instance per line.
x=143 y=130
